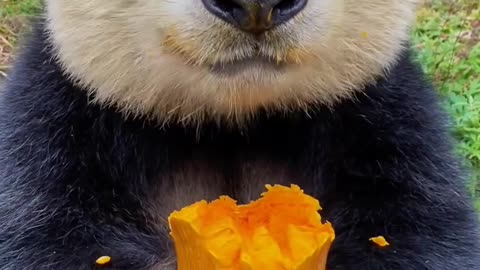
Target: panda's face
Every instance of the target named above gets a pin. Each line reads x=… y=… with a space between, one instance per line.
x=192 y=60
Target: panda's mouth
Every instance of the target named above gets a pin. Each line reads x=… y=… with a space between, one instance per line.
x=250 y=64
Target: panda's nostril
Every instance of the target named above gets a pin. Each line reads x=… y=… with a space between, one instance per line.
x=287 y=9
x=225 y=10
x=255 y=16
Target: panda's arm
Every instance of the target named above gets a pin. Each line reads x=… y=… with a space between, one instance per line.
x=63 y=185
x=60 y=208
x=393 y=173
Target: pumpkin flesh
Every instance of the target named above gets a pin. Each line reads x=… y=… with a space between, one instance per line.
x=280 y=231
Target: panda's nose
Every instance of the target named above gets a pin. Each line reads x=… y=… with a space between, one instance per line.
x=255 y=16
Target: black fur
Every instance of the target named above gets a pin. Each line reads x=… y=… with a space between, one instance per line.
x=74 y=177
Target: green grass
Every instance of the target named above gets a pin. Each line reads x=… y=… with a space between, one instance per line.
x=16 y=7
x=13 y=15
x=447 y=39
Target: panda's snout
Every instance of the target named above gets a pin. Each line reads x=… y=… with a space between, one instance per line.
x=255 y=16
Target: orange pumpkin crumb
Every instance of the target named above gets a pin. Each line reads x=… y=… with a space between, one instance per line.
x=103 y=260
x=280 y=231
x=380 y=241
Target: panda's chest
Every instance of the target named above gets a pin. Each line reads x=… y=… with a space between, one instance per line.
x=207 y=172
x=207 y=178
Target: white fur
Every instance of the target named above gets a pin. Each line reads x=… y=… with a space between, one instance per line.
x=151 y=57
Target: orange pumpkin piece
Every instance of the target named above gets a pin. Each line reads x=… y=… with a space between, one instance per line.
x=380 y=241
x=280 y=231
x=103 y=260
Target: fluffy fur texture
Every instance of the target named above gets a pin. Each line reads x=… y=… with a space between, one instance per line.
x=154 y=57
x=79 y=180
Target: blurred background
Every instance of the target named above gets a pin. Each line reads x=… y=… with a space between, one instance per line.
x=446 y=38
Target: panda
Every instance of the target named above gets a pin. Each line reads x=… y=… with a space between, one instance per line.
x=117 y=113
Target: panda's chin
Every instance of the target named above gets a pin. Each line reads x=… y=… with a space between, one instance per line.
x=251 y=65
